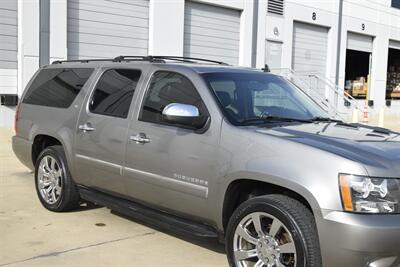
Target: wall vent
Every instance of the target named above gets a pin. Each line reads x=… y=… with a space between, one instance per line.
x=276 y=7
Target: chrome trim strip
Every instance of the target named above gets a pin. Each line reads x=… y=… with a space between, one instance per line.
x=109 y=165
x=170 y=183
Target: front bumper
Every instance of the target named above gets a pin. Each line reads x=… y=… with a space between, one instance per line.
x=349 y=239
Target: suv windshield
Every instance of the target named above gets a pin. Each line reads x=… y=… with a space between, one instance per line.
x=251 y=98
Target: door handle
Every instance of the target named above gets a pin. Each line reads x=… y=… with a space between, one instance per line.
x=87 y=127
x=140 y=138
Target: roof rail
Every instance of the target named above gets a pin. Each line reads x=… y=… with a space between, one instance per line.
x=153 y=59
x=162 y=59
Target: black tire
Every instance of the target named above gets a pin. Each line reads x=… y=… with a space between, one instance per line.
x=69 y=197
x=296 y=218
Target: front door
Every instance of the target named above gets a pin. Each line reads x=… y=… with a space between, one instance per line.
x=168 y=166
x=102 y=130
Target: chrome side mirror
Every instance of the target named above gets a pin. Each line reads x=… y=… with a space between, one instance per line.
x=184 y=115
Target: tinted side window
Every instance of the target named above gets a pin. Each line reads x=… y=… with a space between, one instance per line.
x=166 y=88
x=114 y=91
x=56 y=87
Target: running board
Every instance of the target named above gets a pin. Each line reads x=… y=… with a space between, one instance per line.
x=154 y=217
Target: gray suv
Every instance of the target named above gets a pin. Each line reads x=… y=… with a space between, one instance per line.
x=214 y=151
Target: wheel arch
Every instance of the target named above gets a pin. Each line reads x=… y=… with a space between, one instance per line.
x=242 y=189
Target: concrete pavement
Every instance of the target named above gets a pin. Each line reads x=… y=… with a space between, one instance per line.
x=93 y=236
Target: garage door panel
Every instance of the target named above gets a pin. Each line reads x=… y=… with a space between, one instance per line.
x=8 y=35
x=198 y=20
x=211 y=56
x=9 y=30
x=98 y=51
x=139 y=3
x=8 y=21
x=312 y=40
x=213 y=39
x=309 y=48
x=309 y=54
x=8 y=46
x=88 y=15
x=107 y=32
x=316 y=48
x=5 y=39
x=201 y=31
x=213 y=50
x=359 y=42
x=213 y=26
x=7 y=10
x=394 y=44
x=110 y=41
x=212 y=42
x=211 y=32
x=107 y=28
x=208 y=11
x=94 y=27
x=111 y=6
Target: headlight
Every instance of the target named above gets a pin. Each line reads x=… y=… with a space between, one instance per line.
x=369 y=195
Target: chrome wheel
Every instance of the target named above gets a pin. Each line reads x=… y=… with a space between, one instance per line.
x=49 y=179
x=262 y=240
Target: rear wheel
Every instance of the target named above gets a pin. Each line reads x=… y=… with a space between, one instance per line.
x=272 y=231
x=54 y=185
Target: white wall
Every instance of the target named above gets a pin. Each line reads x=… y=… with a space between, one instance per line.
x=28 y=41
x=166 y=24
x=58 y=30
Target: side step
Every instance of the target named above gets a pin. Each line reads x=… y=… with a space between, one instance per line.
x=154 y=217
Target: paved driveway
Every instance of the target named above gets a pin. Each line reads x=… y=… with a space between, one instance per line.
x=92 y=236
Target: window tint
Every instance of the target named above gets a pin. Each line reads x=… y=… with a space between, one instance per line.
x=56 y=87
x=114 y=91
x=166 y=88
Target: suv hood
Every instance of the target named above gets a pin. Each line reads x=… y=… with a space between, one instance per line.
x=376 y=148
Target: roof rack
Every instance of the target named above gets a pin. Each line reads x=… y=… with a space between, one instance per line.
x=153 y=59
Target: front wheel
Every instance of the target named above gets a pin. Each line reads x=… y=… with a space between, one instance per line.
x=272 y=231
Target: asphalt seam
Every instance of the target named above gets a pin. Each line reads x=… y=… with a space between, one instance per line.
x=57 y=253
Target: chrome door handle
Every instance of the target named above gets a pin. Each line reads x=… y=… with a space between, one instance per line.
x=87 y=127
x=140 y=138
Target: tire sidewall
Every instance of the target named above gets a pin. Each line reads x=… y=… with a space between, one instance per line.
x=58 y=155
x=258 y=205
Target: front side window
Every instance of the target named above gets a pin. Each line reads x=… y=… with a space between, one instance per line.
x=166 y=88
x=245 y=97
x=114 y=91
x=57 y=87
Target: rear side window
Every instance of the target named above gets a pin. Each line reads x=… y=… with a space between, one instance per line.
x=114 y=91
x=166 y=88
x=57 y=87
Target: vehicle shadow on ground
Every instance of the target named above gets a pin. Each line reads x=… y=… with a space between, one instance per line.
x=207 y=243
x=85 y=206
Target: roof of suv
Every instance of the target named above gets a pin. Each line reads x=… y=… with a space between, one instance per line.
x=198 y=65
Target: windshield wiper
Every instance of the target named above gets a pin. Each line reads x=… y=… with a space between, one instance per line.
x=324 y=119
x=269 y=118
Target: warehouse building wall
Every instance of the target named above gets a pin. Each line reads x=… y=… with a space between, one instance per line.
x=272 y=36
x=373 y=18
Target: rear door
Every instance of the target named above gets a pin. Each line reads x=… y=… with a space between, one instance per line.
x=102 y=129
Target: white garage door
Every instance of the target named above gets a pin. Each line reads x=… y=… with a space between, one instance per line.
x=212 y=32
x=359 y=42
x=8 y=46
x=394 y=44
x=104 y=29
x=309 y=48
